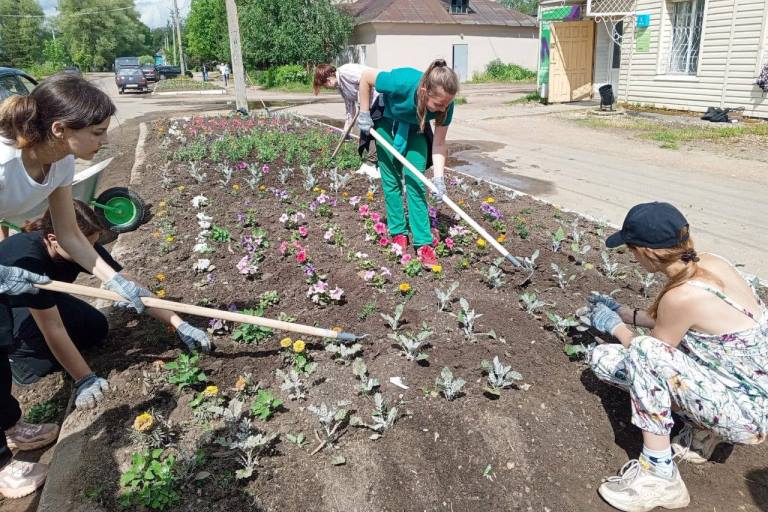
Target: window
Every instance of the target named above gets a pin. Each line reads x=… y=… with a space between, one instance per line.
x=686 y=21
x=459 y=6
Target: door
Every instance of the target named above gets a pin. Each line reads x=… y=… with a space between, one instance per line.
x=461 y=61
x=570 y=66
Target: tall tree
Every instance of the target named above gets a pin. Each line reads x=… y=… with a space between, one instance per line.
x=524 y=6
x=206 y=34
x=96 y=39
x=21 y=29
x=292 y=31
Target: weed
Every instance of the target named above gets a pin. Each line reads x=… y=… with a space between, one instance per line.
x=184 y=372
x=265 y=405
x=367 y=310
x=449 y=386
x=149 y=481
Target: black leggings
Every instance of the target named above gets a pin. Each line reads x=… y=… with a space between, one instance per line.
x=10 y=412
x=85 y=325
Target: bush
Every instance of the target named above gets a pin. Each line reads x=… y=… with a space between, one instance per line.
x=46 y=69
x=497 y=71
x=282 y=76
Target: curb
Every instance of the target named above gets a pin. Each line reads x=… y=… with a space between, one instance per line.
x=204 y=92
x=62 y=473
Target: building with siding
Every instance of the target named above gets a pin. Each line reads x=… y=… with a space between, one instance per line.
x=679 y=54
x=468 y=34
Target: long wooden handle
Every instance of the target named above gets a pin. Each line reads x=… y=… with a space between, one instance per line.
x=346 y=134
x=190 y=309
x=447 y=200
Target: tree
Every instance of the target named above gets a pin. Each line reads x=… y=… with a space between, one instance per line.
x=96 y=39
x=206 y=34
x=20 y=36
x=292 y=31
x=523 y=6
x=55 y=52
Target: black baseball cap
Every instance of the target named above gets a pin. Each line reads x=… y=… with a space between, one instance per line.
x=653 y=225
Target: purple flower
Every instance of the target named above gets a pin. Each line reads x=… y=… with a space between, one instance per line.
x=336 y=294
x=369 y=275
x=309 y=270
x=354 y=200
x=490 y=211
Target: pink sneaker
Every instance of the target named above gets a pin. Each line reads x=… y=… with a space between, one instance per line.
x=19 y=478
x=427 y=256
x=401 y=240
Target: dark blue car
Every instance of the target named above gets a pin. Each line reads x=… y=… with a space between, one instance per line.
x=15 y=81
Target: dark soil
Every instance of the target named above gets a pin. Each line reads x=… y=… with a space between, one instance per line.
x=543 y=447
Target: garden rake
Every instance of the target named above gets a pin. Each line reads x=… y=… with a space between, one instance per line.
x=447 y=200
x=190 y=309
x=345 y=135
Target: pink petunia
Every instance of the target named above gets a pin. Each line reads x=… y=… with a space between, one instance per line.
x=375 y=216
x=449 y=243
x=241 y=165
x=283 y=248
x=354 y=200
x=380 y=228
x=369 y=275
x=363 y=210
x=336 y=294
x=303 y=231
x=301 y=256
x=383 y=241
x=265 y=169
x=405 y=259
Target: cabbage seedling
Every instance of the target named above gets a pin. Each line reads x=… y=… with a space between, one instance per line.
x=444 y=297
x=499 y=376
x=449 y=386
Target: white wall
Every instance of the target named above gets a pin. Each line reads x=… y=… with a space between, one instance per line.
x=733 y=33
x=602 y=59
x=396 y=45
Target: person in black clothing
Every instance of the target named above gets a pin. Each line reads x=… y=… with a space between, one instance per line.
x=51 y=328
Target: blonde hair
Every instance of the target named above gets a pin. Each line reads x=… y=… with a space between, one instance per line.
x=662 y=258
x=438 y=74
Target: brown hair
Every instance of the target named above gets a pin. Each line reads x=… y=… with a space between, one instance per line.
x=662 y=258
x=322 y=73
x=66 y=98
x=438 y=74
x=87 y=221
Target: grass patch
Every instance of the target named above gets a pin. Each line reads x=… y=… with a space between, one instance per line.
x=460 y=100
x=184 y=84
x=497 y=71
x=531 y=97
x=44 y=412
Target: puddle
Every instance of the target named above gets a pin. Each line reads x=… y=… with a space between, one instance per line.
x=471 y=157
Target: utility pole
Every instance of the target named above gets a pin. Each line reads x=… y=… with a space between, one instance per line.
x=238 y=72
x=178 y=35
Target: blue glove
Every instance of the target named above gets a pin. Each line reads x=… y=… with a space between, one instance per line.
x=130 y=291
x=439 y=183
x=596 y=298
x=89 y=391
x=193 y=338
x=604 y=319
x=364 y=122
x=16 y=281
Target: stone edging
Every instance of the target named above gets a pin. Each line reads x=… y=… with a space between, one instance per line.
x=203 y=92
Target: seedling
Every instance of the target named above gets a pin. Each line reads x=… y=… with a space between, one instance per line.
x=413 y=268
x=284 y=174
x=494 y=276
x=344 y=353
x=449 y=386
x=299 y=439
x=184 y=372
x=197 y=173
x=561 y=277
x=292 y=384
x=367 y=310
x=646 y=281
x=44 y=412
x=339 y=181
x=226 y=174
x=247 y=442
x=466 y=318
x=367 y=384
x=556 y=239
x=383 y=417
x=265 y=405
x=394 y=320
x=149 y=481
x=499 y=376
x=412 y=344
x=575 y=351
x=610 y=269
x=219 y=234
x=529 y=263
x=444 y=297
x=309 y=177
x=561 y=325
x=332 y=419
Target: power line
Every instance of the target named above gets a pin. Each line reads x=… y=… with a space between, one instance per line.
x=84 y=13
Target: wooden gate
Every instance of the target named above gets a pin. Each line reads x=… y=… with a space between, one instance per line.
x=570 y=65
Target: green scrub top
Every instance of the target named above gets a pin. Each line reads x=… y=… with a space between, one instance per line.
x=399 y=89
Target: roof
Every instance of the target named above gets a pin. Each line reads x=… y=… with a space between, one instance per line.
x=482 y=12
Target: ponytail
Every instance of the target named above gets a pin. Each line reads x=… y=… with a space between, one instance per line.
x=437 y=75
x=19 y=121
x=86 y=219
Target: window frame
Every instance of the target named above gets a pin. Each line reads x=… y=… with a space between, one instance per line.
x=698 y=7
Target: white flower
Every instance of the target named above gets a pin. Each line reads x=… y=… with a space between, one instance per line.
x=203 y=220
x=201 y=247
x=202 y=265
x=199 y=201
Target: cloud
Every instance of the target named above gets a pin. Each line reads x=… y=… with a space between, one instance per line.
x=154 y=13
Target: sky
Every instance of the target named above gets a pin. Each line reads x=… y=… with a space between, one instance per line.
x=154 y=13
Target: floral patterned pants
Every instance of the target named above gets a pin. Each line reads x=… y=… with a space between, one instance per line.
x=657 y=375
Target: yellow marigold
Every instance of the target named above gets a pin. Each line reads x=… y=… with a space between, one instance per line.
x=369 y=195
x=169 y=238
x=143 y=422
x=481 y=242
x=437 y=269
x=262 y=187
x=345 y=194
x=299 y=346
x=405 y=287
x=337 y=329
x=156 y=234
x=161 y=204
x=316 y=189
x=158 y=365
x=489 y=200
x=160 y=277
x=322 y=191
x=286 y=342
x=160 y=292
x=182 y=188
x=235 y=187
x=241 y=383
x=501 y=238
x=461 y=202
x=211 y=391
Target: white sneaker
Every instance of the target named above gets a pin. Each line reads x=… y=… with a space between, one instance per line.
x=695 y=445
x=20 y=478
x=369 y=170
x=639 y=489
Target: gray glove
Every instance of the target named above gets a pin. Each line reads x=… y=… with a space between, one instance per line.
x=130 y=291
x=439 y=183
x=89 y=391
x=364 y=122
x=193 y=338
x=601 y=298
x=16 y=281
x=604 y=319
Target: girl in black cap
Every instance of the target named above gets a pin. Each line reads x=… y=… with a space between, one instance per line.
x=706 y=358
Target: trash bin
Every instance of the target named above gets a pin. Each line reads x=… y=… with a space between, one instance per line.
x=606 y=96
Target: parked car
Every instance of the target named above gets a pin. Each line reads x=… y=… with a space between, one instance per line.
x=168 y=71
x=131 y=79
x=15 y=81
x=126 y=62
x=75 y=70
x=150 y=72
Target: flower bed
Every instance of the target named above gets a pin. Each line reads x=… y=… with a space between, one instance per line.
x=184 y=84
x=461 y=397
